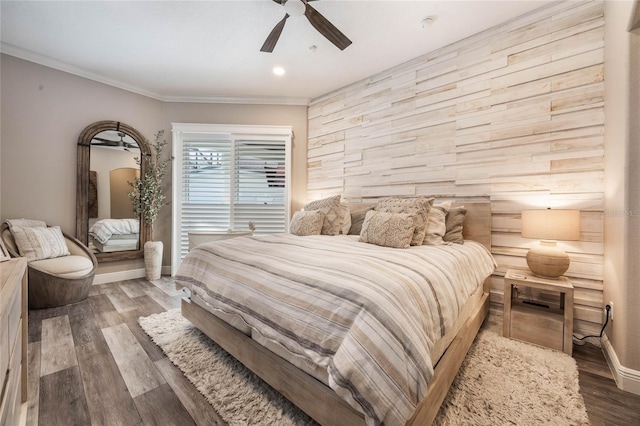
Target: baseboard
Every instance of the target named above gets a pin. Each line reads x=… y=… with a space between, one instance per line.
x=125 y=275
x=627 y=379
x=110 y=277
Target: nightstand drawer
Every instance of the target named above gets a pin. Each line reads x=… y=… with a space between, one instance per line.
x=534 y=325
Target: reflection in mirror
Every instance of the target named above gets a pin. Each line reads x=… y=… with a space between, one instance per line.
x=106 y=163
x=113 y=225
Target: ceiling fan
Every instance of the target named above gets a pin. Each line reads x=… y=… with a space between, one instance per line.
x=320 y=23
x=109 y=142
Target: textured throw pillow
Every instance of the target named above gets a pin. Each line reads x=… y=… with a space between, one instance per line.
x=25 y=223
x=436 y=224
x=306 y=223
x=331 y=209
x=418 y=207
x=387 y=229
x=345 y=216
x=357 y=219
x=455 y=220
x=40 y=243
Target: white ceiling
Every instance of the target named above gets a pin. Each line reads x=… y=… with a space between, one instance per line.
x=210 y=50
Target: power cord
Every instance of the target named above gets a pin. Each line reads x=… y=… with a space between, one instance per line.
x=606 y=321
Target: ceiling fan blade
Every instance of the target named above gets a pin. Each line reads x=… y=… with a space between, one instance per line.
x=274 y=35
x=326 y=28
x=105 y=142
x=280 y=1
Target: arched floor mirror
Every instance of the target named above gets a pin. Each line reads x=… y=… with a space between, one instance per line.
x=105 y=221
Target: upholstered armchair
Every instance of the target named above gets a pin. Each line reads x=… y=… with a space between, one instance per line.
x=61 y=268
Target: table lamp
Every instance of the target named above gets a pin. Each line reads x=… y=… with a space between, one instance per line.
x=547 y=260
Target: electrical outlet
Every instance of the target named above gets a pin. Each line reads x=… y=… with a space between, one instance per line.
x=611 y=311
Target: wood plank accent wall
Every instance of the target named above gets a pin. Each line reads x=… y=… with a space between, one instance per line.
x=514 y=114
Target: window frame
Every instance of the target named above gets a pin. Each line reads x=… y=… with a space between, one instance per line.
x=180 y=131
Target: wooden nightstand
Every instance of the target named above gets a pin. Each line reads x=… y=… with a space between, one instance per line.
x=549 y=325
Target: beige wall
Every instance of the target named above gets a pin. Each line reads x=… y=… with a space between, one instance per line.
x=622 y=200
x=43 y=112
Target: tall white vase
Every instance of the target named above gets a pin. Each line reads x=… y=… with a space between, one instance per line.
x=153 y=259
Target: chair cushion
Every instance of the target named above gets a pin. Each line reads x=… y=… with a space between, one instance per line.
x=66 y=267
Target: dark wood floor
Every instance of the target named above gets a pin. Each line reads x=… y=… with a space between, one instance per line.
x=91 y=364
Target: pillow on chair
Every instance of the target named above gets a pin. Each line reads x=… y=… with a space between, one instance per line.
x=40 y=242
x=25 y=223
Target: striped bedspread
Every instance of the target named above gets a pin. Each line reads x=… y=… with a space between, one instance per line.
x=369 y=315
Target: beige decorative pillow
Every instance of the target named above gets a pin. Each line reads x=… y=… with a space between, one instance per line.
x=40 y=243
x=418 y=207
x=306 y=223
x=331 y=209
x=25 y=223
x=387 y=229
x=436 y=225
x=455 y=220
x=357 y=219
x=345 y=216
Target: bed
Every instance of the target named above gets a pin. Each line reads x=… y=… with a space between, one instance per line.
x=112 y=235
x=394 y=366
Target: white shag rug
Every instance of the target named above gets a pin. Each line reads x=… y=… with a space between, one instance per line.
x=501 y=381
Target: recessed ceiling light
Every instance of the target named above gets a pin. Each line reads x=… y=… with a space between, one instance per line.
x=278 y=71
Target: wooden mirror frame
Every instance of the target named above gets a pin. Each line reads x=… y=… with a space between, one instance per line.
x=82 y=187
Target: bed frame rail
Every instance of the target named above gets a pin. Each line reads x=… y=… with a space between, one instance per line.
x=309 y=394
x=312 y=396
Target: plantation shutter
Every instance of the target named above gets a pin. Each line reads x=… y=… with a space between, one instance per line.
x=259 y=190
x=206 y=186
x=224 y=180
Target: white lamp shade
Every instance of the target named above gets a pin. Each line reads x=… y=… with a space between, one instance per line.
x=551 y=224
x=548 y=260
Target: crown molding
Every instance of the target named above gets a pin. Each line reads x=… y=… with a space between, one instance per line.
x=47 y=61
x=252 y=100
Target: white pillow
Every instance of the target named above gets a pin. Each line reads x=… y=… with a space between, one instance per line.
x=437 y=224
x=40 y=243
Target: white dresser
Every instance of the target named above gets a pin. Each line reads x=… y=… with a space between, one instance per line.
x=200 y=237
x=13 y=339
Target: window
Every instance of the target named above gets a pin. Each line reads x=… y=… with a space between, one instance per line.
x=226 y=176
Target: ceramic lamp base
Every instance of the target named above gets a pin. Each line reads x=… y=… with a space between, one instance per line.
x=547 y=260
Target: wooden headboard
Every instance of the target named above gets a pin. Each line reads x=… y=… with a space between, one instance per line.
x=477 y=222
